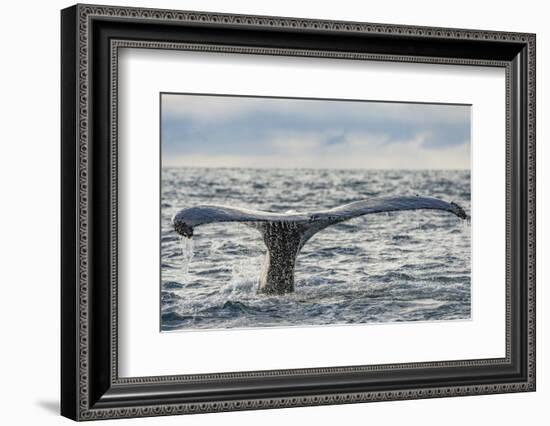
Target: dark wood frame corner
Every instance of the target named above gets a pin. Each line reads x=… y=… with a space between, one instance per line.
x=90 y=38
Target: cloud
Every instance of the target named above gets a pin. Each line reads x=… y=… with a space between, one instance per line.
x=339 y=139
x=332 y=132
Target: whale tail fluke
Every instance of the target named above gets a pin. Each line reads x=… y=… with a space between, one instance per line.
x=284 y=234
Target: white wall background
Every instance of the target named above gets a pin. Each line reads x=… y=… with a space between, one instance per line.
x=29 y=225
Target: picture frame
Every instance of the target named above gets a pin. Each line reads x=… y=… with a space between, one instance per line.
x=91 y=37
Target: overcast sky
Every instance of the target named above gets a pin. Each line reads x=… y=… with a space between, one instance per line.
x=221 y=131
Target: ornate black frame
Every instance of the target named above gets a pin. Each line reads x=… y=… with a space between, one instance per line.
x=91 y=37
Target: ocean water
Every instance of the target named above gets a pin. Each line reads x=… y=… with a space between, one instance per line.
x=387 y=267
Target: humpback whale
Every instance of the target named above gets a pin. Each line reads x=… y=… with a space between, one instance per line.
x=284 y=234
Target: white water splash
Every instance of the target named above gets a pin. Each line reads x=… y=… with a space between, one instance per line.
x=466 y=224
x=244 y=279
x=186 y=253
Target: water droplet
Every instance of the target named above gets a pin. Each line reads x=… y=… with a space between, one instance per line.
x=186 y=252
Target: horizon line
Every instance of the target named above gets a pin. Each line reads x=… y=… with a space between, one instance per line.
x=313 y=168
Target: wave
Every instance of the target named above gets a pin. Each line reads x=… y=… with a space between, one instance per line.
x=395 y=268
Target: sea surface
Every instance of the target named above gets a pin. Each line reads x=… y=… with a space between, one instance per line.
x=387 y=267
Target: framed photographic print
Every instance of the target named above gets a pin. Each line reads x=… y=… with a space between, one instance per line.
x=263 y=212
